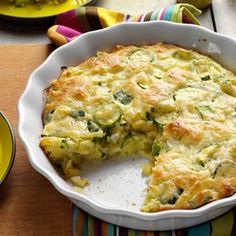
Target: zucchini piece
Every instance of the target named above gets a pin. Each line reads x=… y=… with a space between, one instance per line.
x=122 y=97
x=172 y=200
x=47 y=118
x=205 y=78
x=183 y=54
x=207 y=199
x=226 y=170
x=126 y=139
x=158 y=125
x=107 y=115
x=142 y=86
x=92 y=127
x=76 y=114
x=141 y=56
x=155 y=149
x=64 y=144
x=205 y=111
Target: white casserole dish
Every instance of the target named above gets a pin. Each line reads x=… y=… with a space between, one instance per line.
x=115 y=199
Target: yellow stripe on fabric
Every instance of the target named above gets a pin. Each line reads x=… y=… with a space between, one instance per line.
x=150 y=234
x=134 y=18
x=131 y=232
x=191 y=16
x=174 y=16
x=80 y=222
x=108 y=17
x=162 y=233
x=223 y=225
x=90 y=226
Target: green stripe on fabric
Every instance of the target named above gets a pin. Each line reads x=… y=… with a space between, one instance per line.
x=223 y=225
x=74 y=219
x=168 y=13
x=174 y=16
x=154 y=15
x=165 y=233
x=85 y=225
x=110 y=229
x=202 y=229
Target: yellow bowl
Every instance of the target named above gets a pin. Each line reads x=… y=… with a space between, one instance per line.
x=31 y=11
x=7 y=147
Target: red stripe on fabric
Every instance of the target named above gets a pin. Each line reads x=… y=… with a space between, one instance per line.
x=186 y=20
x=69 y=19
x=163 y=13
x=180 y=232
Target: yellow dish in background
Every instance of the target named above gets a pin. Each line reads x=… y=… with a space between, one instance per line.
x=34 y=11
x=7 y=147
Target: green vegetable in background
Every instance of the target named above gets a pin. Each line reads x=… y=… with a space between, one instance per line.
x=197 y=3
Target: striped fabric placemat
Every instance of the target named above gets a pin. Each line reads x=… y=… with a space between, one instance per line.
x=73 y=23
x=87 y=225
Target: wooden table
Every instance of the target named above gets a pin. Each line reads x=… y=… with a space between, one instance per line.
x=29 y=205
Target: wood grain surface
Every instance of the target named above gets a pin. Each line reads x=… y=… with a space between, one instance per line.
x=29 y=204
x=225 y=16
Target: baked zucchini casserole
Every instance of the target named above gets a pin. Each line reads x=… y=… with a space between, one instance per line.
x=174 y=106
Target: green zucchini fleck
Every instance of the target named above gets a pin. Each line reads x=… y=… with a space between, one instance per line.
x=126 y=139
x=47 y=118
x=92 y=127
x=64 y=144
x=142 y=86
x=76 y=114
x=150 y=117
x=226 y=170
x=207 y=199
x=158 y=125
x=155 y=149
x=205 y=78
x=204 y=111
x=141 y=56
x=106 y=116
x=172 y=200
x=122 y=97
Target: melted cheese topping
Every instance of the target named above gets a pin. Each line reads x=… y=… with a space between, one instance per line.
x=174 y=106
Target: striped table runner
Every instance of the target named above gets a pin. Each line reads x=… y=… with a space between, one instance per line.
x=87 y=225
x=73 y=23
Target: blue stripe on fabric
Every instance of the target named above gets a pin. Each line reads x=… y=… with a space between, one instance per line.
x=154 y=15
x=75 y=214
x=202 y=230
x=168 y=13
